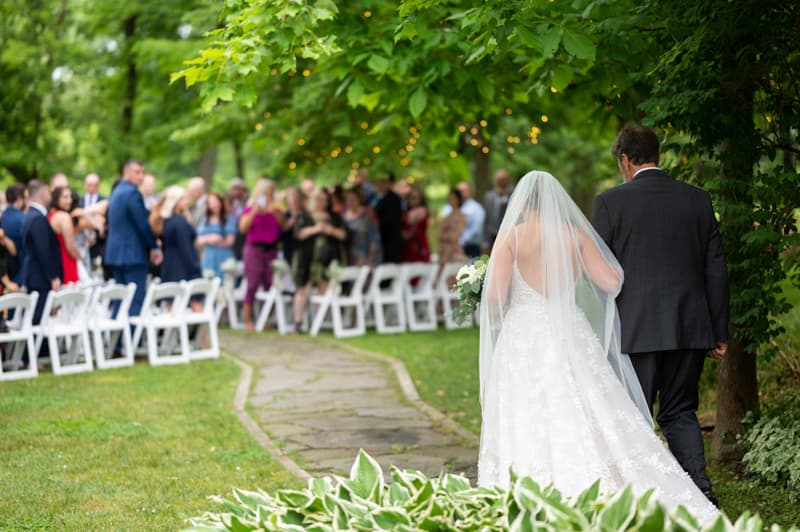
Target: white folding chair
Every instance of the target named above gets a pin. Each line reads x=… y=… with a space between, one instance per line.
x=275 y=300
x=163 y=311
x=344 y=300
x=108 y=330
x=387 y=302
x=205 y=320
x=64 y=323
x=18 y=337
x=233 y=296
x=448 y=298
x=418 y=295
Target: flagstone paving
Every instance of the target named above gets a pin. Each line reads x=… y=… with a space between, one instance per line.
x=320 y=403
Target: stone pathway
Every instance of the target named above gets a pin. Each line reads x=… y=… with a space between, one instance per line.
x=319 y=404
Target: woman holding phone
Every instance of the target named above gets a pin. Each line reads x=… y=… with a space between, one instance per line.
x=261 y=221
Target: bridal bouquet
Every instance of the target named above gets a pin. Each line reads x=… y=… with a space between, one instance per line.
x=469 y=283
x=280 y=268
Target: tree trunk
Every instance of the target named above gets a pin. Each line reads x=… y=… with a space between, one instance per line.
x=206 y=165
x=480 y=174
x=737 y=384
x=126 y=126
x=737 y=394
x=238 y=158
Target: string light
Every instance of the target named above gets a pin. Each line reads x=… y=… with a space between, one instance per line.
x=301 y=142
x=453 y=154
x=376 y=150
x=462 y=128
x=292 y=165
x=511 y=150
x=484 y=123
x=367 y=13
x=509 y=111
x=348 y=149
x=259 y=126
x=473 y=130
x=364 y=125
x=306 y=73
x=485 y=149
x=545 y=119
x=267 y=114
x=553 y=90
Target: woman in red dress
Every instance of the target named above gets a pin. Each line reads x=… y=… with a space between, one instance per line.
x=415 y=228
x=61 y=221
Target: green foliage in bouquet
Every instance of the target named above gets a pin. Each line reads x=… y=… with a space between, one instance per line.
x=469 y=284
x=773 y=447
x=413 y=502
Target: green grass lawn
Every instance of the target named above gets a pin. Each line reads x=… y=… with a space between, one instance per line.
x=444 y=366
x=138 y=448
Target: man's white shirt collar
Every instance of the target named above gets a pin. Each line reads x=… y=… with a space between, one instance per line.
x=640 y=170
x=39 y=207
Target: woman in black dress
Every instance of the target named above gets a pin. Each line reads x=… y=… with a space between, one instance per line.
x=319 y=240
x=169 y=223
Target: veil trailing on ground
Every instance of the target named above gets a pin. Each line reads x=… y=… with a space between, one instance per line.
x=547 y=241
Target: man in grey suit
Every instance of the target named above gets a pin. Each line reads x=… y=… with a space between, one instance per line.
x=673 y=305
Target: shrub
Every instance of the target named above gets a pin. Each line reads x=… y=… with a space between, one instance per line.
x=773 y=447
x=413 y=502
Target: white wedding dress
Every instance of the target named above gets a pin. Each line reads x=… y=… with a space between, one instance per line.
x=560 y=403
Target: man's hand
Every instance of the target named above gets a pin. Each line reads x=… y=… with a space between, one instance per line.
x=55 y=284
x=719 y=352
x=156 y=256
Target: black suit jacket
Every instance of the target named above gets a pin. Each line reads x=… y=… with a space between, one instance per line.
x=666 y=237
x=42 y=252
x=390 y=226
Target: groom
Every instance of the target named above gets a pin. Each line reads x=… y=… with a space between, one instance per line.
x=674 y=303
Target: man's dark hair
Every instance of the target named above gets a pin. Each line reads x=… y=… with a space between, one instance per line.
x=34 y=186
x=390 y=176
x=457 y=193
x=14 y=192
x=639 y=143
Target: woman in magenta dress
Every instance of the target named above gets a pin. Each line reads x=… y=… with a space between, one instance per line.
x=415 y=228
x=61 y=221
x=261 y=221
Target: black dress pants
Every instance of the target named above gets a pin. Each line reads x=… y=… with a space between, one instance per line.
x=673 y=377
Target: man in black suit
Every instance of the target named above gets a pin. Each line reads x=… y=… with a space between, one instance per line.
x=674 y=303
x=42 y=269
x=390 y=219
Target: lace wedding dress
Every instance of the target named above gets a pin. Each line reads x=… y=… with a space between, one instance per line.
x=560 y=403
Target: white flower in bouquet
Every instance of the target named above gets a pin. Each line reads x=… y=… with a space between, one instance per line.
x=228 y=266
x=469 y=284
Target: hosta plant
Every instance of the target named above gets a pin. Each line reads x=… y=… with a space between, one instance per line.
x=413 y=502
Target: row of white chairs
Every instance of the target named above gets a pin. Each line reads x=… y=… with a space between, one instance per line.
x=392 y=297
x=87 y=325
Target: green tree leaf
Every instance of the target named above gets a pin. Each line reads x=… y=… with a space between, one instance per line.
x=579 y=45
x=417 y=102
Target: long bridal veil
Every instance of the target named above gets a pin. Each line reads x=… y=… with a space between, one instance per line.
x=549 y=243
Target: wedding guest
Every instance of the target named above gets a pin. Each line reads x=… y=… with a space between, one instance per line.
x=8 y=250
x=472 y=235
x=390 y=222
x=237 y=196
x=169 y=223
x=216 y=234
x=11 y=222
x=196 y=190
x=261 y=221
x=42 y=271
x=415 y=228
x=60 y=180
x=148 y=189
x=450 y=230
x=308 y=187
x=370 y=194
x=131 y=242
x=495 y=203
x=336 y=194
x=61 y=222
x=96 y=238
x=364 y=239
x=295 y=206
x=319 y=240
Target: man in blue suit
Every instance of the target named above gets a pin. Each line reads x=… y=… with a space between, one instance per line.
x=131 y=243
x=13 y=216
x=42 y=270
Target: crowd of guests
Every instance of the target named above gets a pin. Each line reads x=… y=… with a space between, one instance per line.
x=52 y=235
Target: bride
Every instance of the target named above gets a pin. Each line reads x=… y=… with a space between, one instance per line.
x=560 y=402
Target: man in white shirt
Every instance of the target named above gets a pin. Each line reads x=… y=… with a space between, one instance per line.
x=472 y=234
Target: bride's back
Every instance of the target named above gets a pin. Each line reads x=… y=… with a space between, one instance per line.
x=545 y=255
